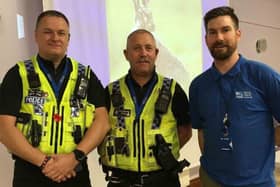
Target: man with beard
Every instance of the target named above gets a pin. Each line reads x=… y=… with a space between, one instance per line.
x=144 y=105
x=232 y=105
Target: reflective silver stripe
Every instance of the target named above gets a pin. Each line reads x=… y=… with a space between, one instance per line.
x=116 y=89
x=166 y=85
x=29 y=66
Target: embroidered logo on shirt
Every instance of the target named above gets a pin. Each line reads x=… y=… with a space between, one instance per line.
x=243 y=95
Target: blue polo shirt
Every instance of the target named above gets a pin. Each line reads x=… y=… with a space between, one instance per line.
x=249 y=96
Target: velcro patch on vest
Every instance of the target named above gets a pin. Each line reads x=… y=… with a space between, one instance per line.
x=122 y=112
x=36 y=97
x=34 y=100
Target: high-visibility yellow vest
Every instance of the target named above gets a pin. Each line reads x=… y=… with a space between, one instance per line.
x=58 y=122
x=129 y=147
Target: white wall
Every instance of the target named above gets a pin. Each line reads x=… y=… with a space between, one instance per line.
x=7 y=34
x=47 y=4
x=14 y=49
x=263 y=21
x=7 y=40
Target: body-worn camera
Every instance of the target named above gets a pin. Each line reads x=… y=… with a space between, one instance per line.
x=165 y=158
x=162 y=102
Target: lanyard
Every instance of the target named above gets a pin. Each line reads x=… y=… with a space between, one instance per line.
x=55 y=85
x=140 y=107
x=227 y=92
x=225 y=88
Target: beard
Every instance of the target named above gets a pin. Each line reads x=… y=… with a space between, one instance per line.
x=222 y=51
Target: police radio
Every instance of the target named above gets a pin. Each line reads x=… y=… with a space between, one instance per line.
x=81 y=87
x=163 y=100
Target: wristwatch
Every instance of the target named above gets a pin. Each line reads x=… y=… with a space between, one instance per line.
x=79 y=155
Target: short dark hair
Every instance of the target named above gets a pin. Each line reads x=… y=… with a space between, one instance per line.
x=51 y=13
x=221 y=11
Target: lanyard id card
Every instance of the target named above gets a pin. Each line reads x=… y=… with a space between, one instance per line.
x=225 y=139
x=226 y=144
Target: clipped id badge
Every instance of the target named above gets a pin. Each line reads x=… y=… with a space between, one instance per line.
x=225 y=139
x=226 y=144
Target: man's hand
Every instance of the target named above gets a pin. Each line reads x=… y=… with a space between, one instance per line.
x=61 y=167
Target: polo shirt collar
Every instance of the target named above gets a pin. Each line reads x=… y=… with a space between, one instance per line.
x=235 y=70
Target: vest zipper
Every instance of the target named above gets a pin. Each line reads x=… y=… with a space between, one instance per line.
x=139 y=145
x=61 y=127
x=143 y=139
x=134 y=138
x=52 y=127
x=56 y=133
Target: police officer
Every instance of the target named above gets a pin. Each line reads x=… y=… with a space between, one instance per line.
x=144 y=105
x=52 y=111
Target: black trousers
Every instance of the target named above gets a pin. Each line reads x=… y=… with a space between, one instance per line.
x=28 y=175
x=153 y=180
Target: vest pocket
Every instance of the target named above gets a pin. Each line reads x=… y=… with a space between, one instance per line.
x=120 y=138
x=115 y=150
x=107 y=151
x=68 y=143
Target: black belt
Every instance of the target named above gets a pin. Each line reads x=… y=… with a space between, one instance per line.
x=136 y=178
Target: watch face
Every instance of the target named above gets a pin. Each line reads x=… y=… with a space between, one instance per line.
x=79 y=155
